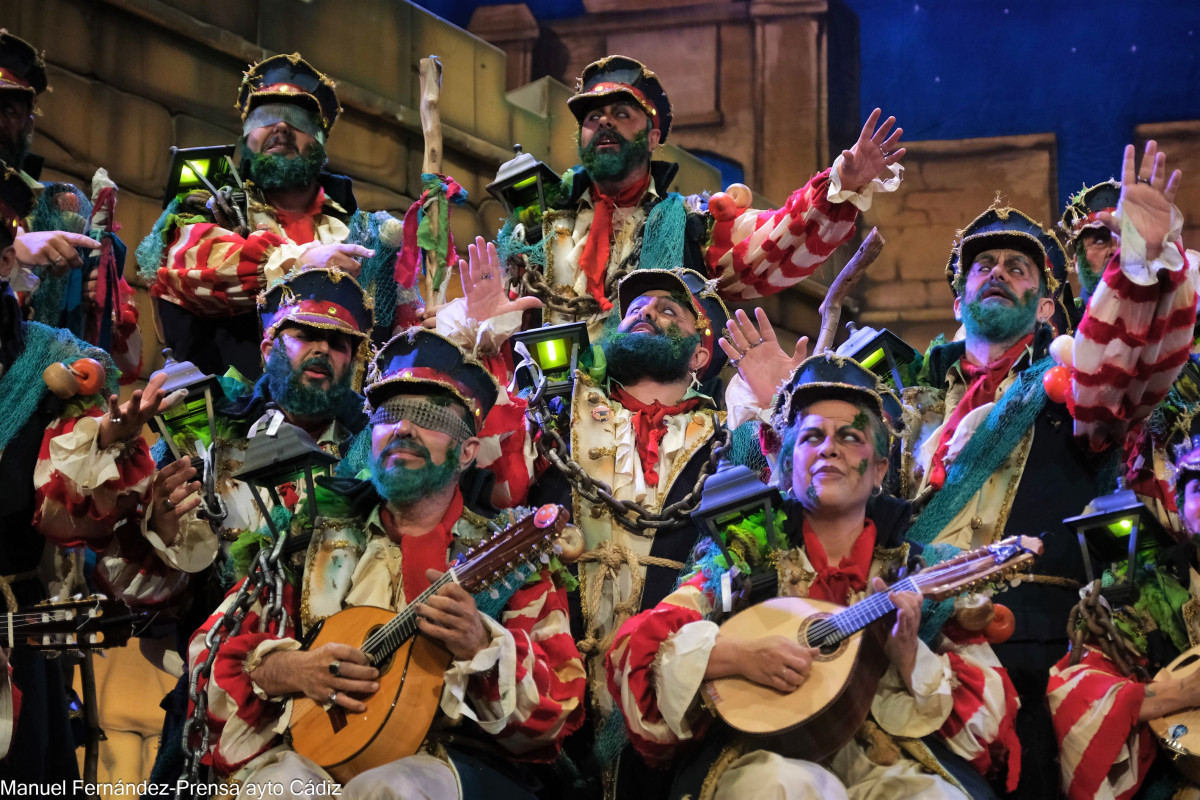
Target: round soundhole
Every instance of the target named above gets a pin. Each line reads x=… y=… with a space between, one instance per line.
x=818 y=627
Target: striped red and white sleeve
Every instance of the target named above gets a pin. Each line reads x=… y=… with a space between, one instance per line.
x=214 y=272
x=758 y=253
x=655 y=669
x=527 y=687
x=81 y=491
x=242 y=720
x=1134 y=338
x=1103 y=750
x=980 y=727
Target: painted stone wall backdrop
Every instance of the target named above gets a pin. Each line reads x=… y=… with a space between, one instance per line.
x=946 y=185
x=131 y=78
x=1179 y=140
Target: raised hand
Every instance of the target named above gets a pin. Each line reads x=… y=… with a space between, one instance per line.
x=483 y=284
x=452 y=618
x=172 y=496
x=756 y=353
x=874 y=150
x=901 y=647
x=125 y=420
x=346 y=257
x=56 y=248
x=1146 y=197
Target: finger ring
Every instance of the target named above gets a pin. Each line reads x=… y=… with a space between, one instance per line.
x=733 y=362
x=756 y=344
x=57 y=261
x=333 y=698
x=116 y=420
x=167 y=504
x=1142 y=180
x=487 y=276
x=335 y=669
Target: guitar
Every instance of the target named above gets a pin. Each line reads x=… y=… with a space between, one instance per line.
x=411 y=667
x=1179 y=733
x=83 y=623
x=814 y=721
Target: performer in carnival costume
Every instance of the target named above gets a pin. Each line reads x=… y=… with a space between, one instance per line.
x=1088 y=239
x=614 y=212
x=517 y=678
x=75 y=466
x=209 y=258
x=839 y=536
x=1105 y=691
x=69 y=260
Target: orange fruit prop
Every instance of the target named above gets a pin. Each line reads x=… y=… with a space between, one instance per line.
x=84 y=377
x=1001 y=627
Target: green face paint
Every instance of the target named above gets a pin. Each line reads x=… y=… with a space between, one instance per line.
x=859 y=423
x=811 y=494
x=862 y=467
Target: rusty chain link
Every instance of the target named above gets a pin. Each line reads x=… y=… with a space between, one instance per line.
x=1091 y=622
x=532 y=283
x=266 y=577
x=630 y=515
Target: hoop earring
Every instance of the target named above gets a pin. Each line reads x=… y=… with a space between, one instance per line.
x=878 y=490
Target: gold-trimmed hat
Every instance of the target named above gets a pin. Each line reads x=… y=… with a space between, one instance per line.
x=622 y=75
x=420 y=357
x=833 y=377
x=322 y=297
x=289 y=79
x=1083 y=209
x=1008 y=227
x=22 y=67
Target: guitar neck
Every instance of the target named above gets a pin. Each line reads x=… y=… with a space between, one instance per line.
x=844 y=624
x=402 y=627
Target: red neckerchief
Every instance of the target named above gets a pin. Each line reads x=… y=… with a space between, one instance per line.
x=299 y=225
x=427 y=551
x=594 y=259
x=648 y=427
x=837 y=584
x=982 y=385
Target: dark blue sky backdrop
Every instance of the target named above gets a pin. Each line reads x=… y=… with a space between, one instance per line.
x=1087 y=71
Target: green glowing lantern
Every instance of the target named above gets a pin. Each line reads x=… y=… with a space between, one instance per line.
x=200 y=168
x=555 y=350
x=192 y=419
x=1117 y=527
x=283 y=454
x=880 y=351
x=521 y=182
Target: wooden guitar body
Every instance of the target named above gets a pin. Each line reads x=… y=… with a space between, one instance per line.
x=397 y=716
x=1179 y=733
x=817 y=719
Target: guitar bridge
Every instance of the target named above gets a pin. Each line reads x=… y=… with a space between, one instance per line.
x=337 y=718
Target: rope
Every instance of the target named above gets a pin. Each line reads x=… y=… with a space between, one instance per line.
x=611 y=557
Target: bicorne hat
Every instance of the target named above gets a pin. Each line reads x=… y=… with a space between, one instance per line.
x=832 y=377
x=289 y=79
x=22 y=68
x=621 y=75
x=1083 y=210
x=324 y=297
x=706 y=304
x=1009 y=228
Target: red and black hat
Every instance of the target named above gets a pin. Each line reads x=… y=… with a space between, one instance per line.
x=1084 y=208
x=1009 y=228
x=706 y=304
x=832 y=377
x=22 y=68
x=16 y=202
x=621 y=75
x=325 y=298
x=289 y=79
x=419 y=359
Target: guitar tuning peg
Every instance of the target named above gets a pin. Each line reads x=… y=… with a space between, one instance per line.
x=493 y=593
x=544 y=558
x=557 y=549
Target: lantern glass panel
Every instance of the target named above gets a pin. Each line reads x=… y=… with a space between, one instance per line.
x=187 y=422
x=190 y=174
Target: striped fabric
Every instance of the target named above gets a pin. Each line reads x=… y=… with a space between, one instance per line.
x=759 y=253
x=1104 y=752
x=1132 y=342
x=980 y=728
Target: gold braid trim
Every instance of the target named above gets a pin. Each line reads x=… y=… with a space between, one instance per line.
x=1011 y=493
x=708 y=789
x=924 y=756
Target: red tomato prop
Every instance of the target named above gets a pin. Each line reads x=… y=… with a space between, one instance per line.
x=1057 y=381
x=722 y=207
x=1001 y=627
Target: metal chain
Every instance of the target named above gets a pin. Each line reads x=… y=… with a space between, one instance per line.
x=266 y=577
x=533 y=283
x=1091 y=622
x=598 y=492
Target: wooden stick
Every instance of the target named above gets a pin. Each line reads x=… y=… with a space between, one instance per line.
x=431 y=128
x=831 y=306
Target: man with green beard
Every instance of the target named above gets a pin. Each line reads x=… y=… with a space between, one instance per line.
x=513 y=673
x=206 y=263
x=614 y=212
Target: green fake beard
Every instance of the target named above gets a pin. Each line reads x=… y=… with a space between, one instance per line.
x=999 y=323
x=298 y=398
x=272 y=171
x=406 y=485
x=614 y=166
x=661 y=357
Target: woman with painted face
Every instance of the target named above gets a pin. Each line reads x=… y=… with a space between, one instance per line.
x=839 y=536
